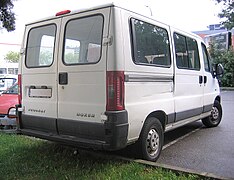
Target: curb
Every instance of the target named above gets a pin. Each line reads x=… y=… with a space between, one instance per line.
x=8 y=131
x=203 y=175
x=177 y=170
x=227 y=88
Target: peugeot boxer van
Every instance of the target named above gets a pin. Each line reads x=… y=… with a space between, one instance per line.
x=107 y=77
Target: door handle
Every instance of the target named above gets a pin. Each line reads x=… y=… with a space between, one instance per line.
x=200 y=79
x=205 y=79
x=63 y=78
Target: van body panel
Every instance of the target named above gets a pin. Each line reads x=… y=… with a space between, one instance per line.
x=211 y=88
x=83 y=97
x=116 y=50
x=147 y=88
x=188 y=94
x=188 y=91
x=39 y=90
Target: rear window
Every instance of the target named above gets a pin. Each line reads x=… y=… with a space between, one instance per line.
x=40 y=46
x=83 y=39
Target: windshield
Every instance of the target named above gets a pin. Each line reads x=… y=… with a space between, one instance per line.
x=7 y=82
x=12 y=90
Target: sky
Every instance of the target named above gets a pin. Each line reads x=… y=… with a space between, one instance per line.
x=189 y=15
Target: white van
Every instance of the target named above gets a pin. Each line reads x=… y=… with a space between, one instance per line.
x=107 y=77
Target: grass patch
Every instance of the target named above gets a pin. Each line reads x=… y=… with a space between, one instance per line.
x=22 y=157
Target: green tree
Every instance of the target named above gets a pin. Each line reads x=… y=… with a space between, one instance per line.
x=45 y=58
x=71 y=58
x=7 y=17
x=12 y=57
x=226 y=58
x=227 y=13
x=150 y=40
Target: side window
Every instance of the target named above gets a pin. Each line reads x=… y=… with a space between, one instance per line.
x=186 y=49
x=150 y=44
x=83 y=39
x=11 y=71
x=40 y=46
x=194 y=60
x=206 y=58
x=3 y=70
x=181 y=51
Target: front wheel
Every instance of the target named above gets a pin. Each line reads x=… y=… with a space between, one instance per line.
x=151 y=139
x=216 y=115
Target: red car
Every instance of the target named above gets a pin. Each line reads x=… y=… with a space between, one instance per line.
x=8 y=100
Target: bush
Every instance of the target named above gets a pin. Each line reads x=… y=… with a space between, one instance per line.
x=226 y=58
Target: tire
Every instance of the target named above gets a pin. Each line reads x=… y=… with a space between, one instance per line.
x=216 y=115
x=151 y=140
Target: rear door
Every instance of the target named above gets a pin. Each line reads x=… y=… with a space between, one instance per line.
x=82 y=73
x=39 y=76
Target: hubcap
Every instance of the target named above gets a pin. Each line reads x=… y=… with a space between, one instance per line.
x=215 y=113
x=152 y=142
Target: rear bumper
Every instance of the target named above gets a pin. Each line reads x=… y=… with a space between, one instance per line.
x=5 y=121
x=110 y=135
x=116 y=129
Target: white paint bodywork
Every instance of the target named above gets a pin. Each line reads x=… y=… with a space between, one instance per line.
x=148 y=89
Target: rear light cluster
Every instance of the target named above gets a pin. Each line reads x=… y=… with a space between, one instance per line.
x=19 y=88
x=115 y=90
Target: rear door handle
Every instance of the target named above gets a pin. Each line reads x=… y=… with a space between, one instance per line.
x=63 y=78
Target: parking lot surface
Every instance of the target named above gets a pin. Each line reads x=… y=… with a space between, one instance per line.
x=204 y=149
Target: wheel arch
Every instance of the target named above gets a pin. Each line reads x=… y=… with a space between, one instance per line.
x=160 y=115
x=218 y=98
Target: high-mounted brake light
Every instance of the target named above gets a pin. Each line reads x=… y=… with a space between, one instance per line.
x=115 y=90
x=63 y=12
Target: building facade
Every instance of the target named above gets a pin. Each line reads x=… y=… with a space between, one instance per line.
x=8 y=68
x=218 y=35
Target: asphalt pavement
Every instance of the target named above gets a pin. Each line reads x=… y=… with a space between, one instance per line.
x=200 y=149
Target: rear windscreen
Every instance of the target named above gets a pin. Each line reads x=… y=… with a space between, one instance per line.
x=83 y=39
x=40 y=46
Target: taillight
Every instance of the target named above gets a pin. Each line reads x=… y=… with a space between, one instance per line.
x=115 y=90
x=19 y=88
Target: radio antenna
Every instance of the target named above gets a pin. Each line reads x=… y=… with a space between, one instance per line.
x=148 y=6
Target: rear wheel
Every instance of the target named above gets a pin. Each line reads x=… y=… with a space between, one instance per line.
x=151 y=139
x=216 y=115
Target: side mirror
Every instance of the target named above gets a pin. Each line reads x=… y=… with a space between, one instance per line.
x=218 y=70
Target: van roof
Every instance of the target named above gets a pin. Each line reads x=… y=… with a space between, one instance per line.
x=74 y=12
x=113 y=4
x=90 y=8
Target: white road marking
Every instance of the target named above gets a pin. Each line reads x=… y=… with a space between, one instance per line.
x=182 y=137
